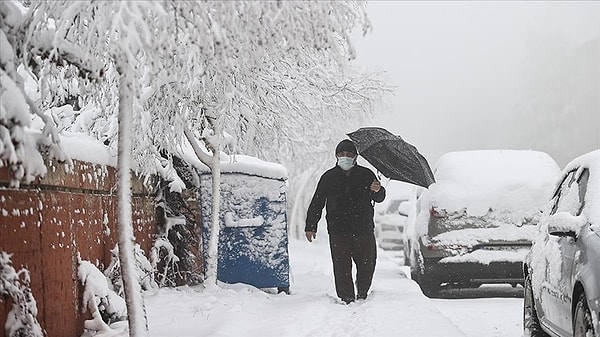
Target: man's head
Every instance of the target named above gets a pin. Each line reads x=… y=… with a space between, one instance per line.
x=346 y=153
x=345 y=148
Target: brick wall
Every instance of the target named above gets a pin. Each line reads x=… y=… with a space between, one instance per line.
x=46 y=224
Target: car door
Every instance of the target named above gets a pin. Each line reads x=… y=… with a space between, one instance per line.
x=562 y=251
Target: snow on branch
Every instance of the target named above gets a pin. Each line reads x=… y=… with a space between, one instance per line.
x=22 y=318
x=144 y=270
x=163 y=253
x=18 y=148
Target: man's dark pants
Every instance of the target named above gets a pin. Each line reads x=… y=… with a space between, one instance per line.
x=361 y=249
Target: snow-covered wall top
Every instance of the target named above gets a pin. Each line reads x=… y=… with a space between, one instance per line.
x=82 y=147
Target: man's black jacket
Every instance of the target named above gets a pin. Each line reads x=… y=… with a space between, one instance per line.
x=348 y=199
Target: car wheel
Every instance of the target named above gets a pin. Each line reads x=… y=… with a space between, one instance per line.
x=582 y=319
x=429 y=286
x=531 y=322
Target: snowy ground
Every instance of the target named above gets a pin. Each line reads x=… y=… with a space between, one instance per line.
x=483 y=316
x=490 y=310
x=396 y=306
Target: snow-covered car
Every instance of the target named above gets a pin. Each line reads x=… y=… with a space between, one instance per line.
x=389 y=226
x=408 y=208
x=562 y=270
x=476 y=223
x=389 y=236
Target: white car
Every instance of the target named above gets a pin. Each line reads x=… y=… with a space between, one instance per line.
x=389 y=236
x=389 y=226
x=409 y=210
x=562 y=270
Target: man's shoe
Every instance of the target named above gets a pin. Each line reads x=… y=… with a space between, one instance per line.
x=361 y=296
x=347 y=300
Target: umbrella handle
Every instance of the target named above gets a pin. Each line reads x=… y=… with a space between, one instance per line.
x=378 y=176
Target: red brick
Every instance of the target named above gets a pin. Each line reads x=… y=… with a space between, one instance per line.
x=20 y=236
x=45 y=225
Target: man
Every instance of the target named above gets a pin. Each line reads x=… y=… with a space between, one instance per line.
x=347 y=190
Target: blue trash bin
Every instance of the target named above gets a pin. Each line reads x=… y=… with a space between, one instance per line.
x=253 y=242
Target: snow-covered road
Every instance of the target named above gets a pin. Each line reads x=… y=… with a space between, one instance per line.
x=491 y=310
x=484 y=316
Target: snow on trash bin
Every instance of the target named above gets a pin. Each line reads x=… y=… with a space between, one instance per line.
x=253 y=242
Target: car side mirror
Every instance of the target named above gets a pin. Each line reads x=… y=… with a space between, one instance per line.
x=565 y=224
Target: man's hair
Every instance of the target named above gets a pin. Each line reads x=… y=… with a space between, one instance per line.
x=345 y=145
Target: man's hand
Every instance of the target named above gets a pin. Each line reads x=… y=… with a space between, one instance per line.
x=375 y=186
x=310 y=236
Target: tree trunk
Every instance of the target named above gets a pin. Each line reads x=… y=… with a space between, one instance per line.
x=215 y=228
x=131 y=287
x=214 y=164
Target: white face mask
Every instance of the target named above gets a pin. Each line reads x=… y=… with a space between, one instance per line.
x=345 y=163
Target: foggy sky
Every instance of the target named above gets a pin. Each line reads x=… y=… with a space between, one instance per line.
x=481 y=75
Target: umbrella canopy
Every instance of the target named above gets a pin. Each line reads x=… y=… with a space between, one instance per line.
x=392 y=156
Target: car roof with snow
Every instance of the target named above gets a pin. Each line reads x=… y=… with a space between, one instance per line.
x=497 y=179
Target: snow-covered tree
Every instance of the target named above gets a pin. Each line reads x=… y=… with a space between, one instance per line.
x=259 y=71
x=263 y=72
x=105 y=33
x=20 y=150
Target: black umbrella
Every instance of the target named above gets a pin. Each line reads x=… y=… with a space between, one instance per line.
x=392 y=156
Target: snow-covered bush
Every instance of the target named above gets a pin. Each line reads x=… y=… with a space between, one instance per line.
x=144 y=271
x=99 y=299
x=21 y=320
x=164 y=258
x=175 y=255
